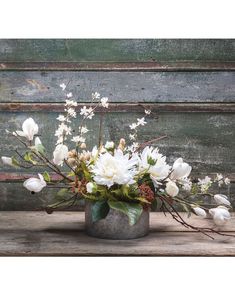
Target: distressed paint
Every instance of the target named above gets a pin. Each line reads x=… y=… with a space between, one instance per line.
x=119 y=86
x=119 y=50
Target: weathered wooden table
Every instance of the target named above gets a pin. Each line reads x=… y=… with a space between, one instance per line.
x=62 y=234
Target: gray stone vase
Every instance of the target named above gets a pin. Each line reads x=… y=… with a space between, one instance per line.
x=116 y=225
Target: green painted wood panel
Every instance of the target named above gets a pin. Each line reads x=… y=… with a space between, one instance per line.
x=119 y=86
x=113 y=50
x=205 y=140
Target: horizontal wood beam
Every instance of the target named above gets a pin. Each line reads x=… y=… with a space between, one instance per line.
x=123 y=107
x=120 y=66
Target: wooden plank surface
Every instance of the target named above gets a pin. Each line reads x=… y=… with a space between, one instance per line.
x=116 y=50
x=36 y=86
x=62 y=234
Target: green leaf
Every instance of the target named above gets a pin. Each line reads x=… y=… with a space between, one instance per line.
x=132 y=210
x=15 y=162
x=28 y=158
x=62 y=192
x=99 y=210
x=46 y=176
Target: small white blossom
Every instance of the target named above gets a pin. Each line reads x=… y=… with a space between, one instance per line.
x=104 y=102
x=219 y=179
x=147 y=111
x=109 y=145
x=227 y=181
x=61 y=118
x=84 y=130
x=78 y=139
x=70 y=103
x=63 y=86
x=141 y=121
x=69 y=95
x=132 y=137
x=71 y=112
x=95 y=95
x=133 y=126
x=205 y=184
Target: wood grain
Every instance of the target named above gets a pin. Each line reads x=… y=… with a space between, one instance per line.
x=132 y=87
x=116 y=50
x=62 y=234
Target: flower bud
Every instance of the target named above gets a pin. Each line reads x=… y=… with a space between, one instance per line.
x=122 y=144
x=172 y=189
x=7 y=160
x=199 y=212
x=83 y=145
x=72 y=154
x=109 y=145
x=71 y=161
x=222 y=199
x=35 y=184
x=60 y=154
x=90 y=187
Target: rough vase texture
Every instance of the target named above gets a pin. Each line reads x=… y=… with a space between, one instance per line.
x=116 y=225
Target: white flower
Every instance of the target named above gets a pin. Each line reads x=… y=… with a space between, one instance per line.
x=104 y=102
x=83 y=130
x=63 y=86
x=63 y=129
x=172 y=189
x=147 y=111
x=90 y=187
x=220 y=215
x=141 y=121
x=71 y=112
x=37 y=141
x=219 y=179
x=7 y=160
x=204 y=184
x=70 y=103
x=200 y=212
x=95 y=95
x=227 y=181
x=118 y=168
x=109 y=145
x=186 y=184
x=60 y=154
x=132 y=137
x=83 y=111
x=70 y=95
x=61 y=118
x=35 y=184
x=133 y=126
x=180 y=169
x=154 y=163
x=78 y=139
x=29 y=129
x=222 y=199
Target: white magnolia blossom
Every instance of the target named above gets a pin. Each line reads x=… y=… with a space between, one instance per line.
x=180 y=169
x=60 y=154
x=220 y=215
x=200 y=212
x=172 y=189
x=35 y=184
x=78 y=139
x=227 y=181
x=205 y=184
x=118 y=168
x=222 y=199
x=7 y=160
x=90 y=187
x=109 y=145
x=104 y=102
x=154 y=163
x=63 y=86
x=37 y=141
x=29 y=129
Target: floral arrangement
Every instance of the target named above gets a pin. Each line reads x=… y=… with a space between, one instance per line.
x=128 y=178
